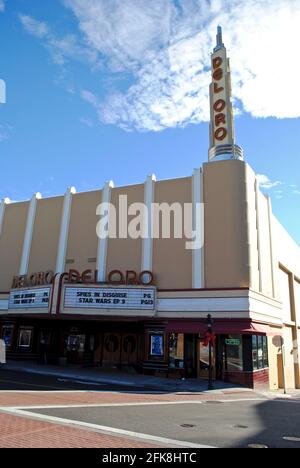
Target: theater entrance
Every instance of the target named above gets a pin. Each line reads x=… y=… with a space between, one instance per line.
x=119 y=350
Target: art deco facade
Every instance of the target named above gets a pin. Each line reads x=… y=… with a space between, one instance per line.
x=54 y=307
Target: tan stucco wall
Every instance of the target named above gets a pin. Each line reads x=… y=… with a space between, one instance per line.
x=226 y=257
x=274 y=343
x=289 y=357
x=82 y=240
x=11 y=242
x=285 y=296
x=45 y=236
x=172 y=262
x=297 y=357
x=275 y=360
x=265 y=250
x=297 y=300
x=287 y=250
x=231 y=237
x=252 y=228
x=125 y=254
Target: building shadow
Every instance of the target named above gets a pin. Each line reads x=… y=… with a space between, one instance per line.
x=278 y=419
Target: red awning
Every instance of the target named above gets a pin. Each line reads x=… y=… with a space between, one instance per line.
x=222 y=327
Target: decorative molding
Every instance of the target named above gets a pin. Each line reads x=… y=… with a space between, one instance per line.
x=259 y=248
x=271 y=241
x=108 y=313
x=64 y=230
x=198 y=254
x=103 y=243
x=23 y=270
x=233 y=304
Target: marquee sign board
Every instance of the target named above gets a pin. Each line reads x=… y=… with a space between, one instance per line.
x=29 y=299
x=109 y=298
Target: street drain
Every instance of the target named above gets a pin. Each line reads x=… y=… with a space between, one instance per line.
x=240 y=426
x=187 y=425
x=257 y=446
x=292 y=439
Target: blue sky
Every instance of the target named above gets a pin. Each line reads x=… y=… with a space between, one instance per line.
x=118 y=89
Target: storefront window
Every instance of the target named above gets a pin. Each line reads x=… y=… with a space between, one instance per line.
x=265 y=351
x=234 y=353
x=260 y=352
x=176 y=351
x=260 y=355
x=254 y=352
x=157 y=345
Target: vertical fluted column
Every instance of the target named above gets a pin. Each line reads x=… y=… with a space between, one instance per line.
x=103 y=241
x=64 y=230
x=28 y=234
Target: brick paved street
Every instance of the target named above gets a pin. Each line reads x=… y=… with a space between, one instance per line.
x=73 y=417
x=22 y=399
x=18 y=432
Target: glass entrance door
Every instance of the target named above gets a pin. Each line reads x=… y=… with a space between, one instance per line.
x=190 y=356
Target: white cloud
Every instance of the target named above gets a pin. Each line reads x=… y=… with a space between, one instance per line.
x=2 y=5
x=32 y=26
x=90 y=98
x=164 y=47
x=267 y=184
x=128 y=33
x=3 y=136
x=87 y=122
x=61 y=48
x=5 y=131
x=296 y=192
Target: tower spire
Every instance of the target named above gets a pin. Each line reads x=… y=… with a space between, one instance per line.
x=222 y=137
x=220 y=44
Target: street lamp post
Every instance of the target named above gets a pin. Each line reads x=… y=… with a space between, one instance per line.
x=209 y=322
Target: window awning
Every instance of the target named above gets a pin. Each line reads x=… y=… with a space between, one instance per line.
x=222 y=327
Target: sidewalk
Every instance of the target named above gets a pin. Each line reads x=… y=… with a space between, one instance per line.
x=131 y=379
x=118 y=377
x=17 y=432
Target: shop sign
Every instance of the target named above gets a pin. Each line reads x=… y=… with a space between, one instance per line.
x=35 y=279
x=219 y=98
x=109 y=298
x=232 y=342
x=29 y=299
x=115 y=277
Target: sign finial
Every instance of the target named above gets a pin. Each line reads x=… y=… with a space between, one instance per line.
x=220 y=43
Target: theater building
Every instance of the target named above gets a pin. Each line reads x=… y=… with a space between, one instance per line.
x=70 y=296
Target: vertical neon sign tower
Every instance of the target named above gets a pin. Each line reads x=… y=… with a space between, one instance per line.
x=222 y=138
